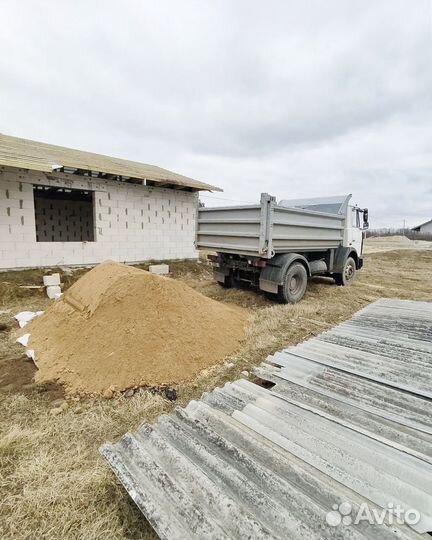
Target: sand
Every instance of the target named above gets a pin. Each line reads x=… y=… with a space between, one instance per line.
x=379 y=244
x=119 y=327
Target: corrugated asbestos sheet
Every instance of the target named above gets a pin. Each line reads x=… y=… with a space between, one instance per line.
x=348 y=420
x=37 y=156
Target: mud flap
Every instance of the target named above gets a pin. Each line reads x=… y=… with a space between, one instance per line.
x=220 y=274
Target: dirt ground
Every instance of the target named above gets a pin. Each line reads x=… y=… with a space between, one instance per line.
x=54 y=484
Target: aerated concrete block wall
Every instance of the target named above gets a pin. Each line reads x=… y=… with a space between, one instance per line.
x=132 y=223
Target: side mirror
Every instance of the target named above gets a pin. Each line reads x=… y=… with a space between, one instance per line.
x=365 y=219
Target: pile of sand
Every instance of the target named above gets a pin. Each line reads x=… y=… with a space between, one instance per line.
x=378 y=244
x=119 y=327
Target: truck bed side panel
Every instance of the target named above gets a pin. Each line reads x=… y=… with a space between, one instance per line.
x=267 y=229
x=305 y=230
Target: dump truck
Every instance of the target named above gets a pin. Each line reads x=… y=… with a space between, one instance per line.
x=275 y=247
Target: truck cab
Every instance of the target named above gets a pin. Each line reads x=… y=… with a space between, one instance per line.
x=353 y=234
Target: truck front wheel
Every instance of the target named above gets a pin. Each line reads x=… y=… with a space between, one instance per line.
x=294 y=286
x=348 y=273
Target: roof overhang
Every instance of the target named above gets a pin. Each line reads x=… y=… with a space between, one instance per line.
x=421 y=225
x=42 y=157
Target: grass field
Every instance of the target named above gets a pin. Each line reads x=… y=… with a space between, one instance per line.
x=53 y=482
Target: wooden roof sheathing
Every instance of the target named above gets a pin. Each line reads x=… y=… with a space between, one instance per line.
x=257 y=463
x=27 y=154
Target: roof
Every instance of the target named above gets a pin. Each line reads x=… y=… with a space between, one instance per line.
x=252 y=462
x=422 y=225
x=27 y=154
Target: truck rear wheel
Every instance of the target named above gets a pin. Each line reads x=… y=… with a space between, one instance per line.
x=294 y=286
x=348 y=273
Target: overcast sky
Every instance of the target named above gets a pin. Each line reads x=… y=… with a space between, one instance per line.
x=296 y=98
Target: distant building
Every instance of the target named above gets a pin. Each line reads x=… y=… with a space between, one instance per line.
x=60 y=206
x=424 y=228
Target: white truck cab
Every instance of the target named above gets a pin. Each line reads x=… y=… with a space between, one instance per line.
x=353 y=233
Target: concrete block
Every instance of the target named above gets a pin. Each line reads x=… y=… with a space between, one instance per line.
x=27 y=189
x=10 y=176
x=15 y=194
x=52 y=280
x=160 y=269
x=53 y=291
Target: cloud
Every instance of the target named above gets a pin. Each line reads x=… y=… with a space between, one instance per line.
x=296 y=99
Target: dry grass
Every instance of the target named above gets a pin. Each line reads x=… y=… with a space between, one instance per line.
x=53 y=482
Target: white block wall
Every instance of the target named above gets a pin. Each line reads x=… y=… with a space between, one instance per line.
x=132 y=223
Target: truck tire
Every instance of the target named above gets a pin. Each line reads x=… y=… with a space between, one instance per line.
x=348 y=274
x=294 y=286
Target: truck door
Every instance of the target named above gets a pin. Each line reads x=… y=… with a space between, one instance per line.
x=355 y=232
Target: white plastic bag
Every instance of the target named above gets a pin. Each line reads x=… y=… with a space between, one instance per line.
x=23 y=340
x=24 y=317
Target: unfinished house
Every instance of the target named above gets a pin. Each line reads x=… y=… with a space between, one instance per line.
x=60 y=206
